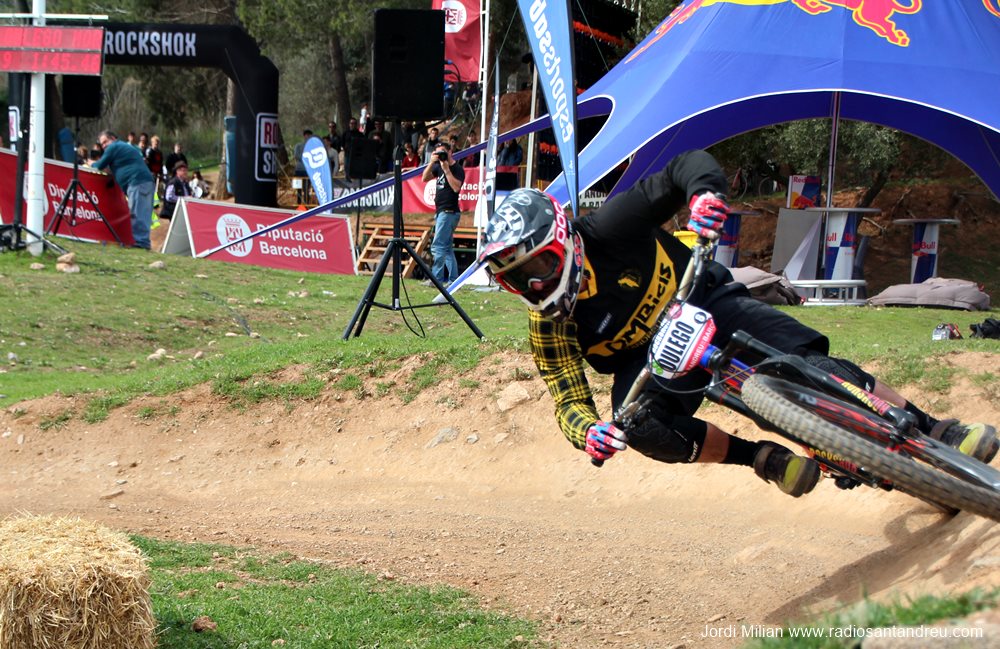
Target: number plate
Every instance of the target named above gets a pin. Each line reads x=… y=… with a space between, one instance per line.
x=684 y=334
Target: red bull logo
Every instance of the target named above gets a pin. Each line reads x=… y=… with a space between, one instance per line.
x=993 y=7
x=876 y=15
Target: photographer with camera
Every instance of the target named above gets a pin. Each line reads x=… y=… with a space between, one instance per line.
x=450 y=176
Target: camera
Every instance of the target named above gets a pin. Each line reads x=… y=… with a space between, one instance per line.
x=441 y=156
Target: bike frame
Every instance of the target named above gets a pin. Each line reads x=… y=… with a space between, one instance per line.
x=729 y=373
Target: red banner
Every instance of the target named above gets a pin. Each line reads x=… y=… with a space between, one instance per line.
x=85 y=223
x=418 y=196
x=462 y=39
x=319 y=244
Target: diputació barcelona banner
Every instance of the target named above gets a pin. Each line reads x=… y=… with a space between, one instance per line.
x=84 y=223
x=318 y=244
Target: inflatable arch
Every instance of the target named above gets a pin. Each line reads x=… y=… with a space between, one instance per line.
x=227 y=47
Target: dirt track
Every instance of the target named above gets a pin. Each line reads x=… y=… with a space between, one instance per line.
x=637 y=554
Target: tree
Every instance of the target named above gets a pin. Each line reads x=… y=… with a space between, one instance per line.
x=337 y=33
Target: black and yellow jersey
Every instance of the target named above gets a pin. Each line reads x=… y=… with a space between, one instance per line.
x=631 y=267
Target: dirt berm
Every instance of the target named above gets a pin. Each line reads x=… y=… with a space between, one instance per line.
x=475 y=487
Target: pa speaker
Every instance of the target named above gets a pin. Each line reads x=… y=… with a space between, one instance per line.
x=81 y=96
x=408 y=64
x=363 y=162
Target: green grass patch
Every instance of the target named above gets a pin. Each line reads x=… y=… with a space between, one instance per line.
x=896 y=340
x=837 y=631
x=56 y=421
x=247 y=323
x=256 y=600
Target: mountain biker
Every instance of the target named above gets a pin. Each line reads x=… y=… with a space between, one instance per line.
x=593 y=287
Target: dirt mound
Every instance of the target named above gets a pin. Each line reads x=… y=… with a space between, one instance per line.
x=471 y=484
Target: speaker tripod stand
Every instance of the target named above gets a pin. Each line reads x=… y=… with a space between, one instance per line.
x=73 y=190
x=394 y=253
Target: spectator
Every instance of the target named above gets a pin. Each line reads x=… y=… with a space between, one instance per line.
x=450 y=177
x=352 y=133
x=154 y=160
x=431 y=145
x=470 y=96
x=474 y=160
x=130 y=138
x=336 y=142
x=331 y=155
x=301 y=193
x=410 y=133
x=143 y=144
x=177 y=189
x=197 y=184
x=510 y=154
x=363 y=122
x=410 y=157
x=384 y=151
x=177 y=155
x=81 y=154
x=132 y=174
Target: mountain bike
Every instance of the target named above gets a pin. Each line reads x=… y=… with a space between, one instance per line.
x=856 y=437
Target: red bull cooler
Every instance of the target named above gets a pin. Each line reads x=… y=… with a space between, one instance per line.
x=841 y=239
x=924 y=251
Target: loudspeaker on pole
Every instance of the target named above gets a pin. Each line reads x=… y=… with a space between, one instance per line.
x=81 y=96
x=408 y=64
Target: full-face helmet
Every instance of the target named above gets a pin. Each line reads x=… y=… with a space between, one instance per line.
x=531 y=250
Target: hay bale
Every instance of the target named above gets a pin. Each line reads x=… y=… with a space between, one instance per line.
x=71 y=584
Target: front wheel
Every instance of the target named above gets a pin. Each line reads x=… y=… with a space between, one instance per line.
x=809 y=416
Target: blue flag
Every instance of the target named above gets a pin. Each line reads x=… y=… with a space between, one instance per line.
x=550 y=32
x=317 y=165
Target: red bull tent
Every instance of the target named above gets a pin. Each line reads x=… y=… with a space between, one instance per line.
x=718 y=68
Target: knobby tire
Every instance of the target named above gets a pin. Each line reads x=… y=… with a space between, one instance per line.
x=915 y=478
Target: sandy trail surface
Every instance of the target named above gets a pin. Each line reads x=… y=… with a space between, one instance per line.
x=479 y=490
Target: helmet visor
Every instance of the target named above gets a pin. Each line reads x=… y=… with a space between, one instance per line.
x=537 y=277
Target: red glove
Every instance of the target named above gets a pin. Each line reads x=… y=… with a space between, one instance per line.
x=604 y=439
x=708 y=213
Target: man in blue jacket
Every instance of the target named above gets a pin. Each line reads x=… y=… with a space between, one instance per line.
x=130 y=171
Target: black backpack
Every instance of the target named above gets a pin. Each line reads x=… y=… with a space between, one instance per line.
x=989 y=328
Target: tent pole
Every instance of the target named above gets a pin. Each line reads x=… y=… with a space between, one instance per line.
x=832 y=162
x=484 y=76
x=529 y=174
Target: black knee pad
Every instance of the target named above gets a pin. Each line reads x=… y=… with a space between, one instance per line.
x=679 y=439
x=843 y=369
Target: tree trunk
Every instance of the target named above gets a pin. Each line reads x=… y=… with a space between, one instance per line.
x=880 y=180
x=341 y=93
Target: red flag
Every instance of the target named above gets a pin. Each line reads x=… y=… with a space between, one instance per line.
x=462 y=40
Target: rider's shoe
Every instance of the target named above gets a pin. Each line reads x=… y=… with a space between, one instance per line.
x=793 y=474
x=976 y=440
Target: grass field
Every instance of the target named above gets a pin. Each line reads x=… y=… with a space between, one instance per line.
x=262 y=601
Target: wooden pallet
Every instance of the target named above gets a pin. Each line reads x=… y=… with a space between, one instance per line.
x=377 y=237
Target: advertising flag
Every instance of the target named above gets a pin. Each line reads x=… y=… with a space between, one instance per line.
x=317 y=165
x=462 y=39
x=550 y=32
x=487 y=199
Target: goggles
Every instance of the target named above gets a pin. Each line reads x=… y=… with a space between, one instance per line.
x=538 y=276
